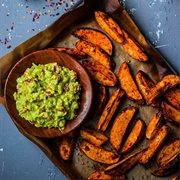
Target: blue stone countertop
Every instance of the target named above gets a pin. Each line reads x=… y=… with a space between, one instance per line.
x=159 y=22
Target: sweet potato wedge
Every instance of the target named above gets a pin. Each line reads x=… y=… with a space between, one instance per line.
x=95 y=37
x=145 y=83
x=173 y=97
x=166 y=83
x=134 y=137
x=99 y=154
x=170 y=113
x=66 y=145
x=133 y=48
x=124 y=165
x=100 y=100
x=72 y=52
x=120 y=126
x=168 y=151
x=176 y=177
x=168 y=168
x=154 y=125
x=100 y=73
x=109 y=109
x=92 y=136
x=95 y=52
x=109 y=26
x=155 y=144
x=102 y=176
x=128 y=84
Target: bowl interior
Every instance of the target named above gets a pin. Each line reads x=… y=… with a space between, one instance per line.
x=44 y=57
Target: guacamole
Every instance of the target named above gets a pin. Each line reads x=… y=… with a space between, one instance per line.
x=48 y=95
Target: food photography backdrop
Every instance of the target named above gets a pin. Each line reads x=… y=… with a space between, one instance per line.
x=159 y=22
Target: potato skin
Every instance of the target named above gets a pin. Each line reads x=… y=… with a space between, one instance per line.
x=134 y=137
x=109 y=26
x=168 y=151
x=155 y=144
x=98 y=154
x=128 y=84
x=120 y=126
x=95 y=37
x=100 y=73
x=170 y=113
x=133 y=48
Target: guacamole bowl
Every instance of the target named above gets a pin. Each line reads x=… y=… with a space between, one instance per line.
x=45 y=57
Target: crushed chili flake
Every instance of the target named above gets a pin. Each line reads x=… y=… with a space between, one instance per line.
x=8 y=47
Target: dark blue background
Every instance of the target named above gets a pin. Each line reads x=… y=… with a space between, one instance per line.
x=158 y=20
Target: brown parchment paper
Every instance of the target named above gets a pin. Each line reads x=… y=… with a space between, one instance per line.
x=59 y=34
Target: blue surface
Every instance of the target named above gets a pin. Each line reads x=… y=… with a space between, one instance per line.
x=158 y=20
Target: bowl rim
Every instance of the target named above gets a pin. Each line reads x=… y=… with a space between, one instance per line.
x=86 y=95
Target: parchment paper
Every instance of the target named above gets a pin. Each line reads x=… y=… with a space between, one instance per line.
x=59 y=34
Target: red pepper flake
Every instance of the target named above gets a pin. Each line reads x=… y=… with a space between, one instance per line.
x=8 y=47
x=36 y=16
x=5 y=41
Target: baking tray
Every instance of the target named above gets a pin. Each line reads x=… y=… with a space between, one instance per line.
x=59 y=35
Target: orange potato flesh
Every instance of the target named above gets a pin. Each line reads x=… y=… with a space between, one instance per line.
x=120 y=126
x=128 y=84
x=101 y=40
x=109 y=26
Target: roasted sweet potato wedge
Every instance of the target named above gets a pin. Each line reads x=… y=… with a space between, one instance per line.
x=100 y=100
x=134 y=137
x=168 y=168
x=120 y=126
x=154 y=125
x=72 y=52
x=176 y=177
x=124 y=165
x=155 y=144
x=66 y=145
x=94 y=137
x=109 y=109
x=145 y=83
x=100 y=73
x=99 y=154
x=95 y=52
x=173 y=97
x=100 y=175
x=168 y=151
x=109 y=26
x=133 y=48
x=166 y=83
x=95 y=37
x=128 y=84
x=170 y=113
